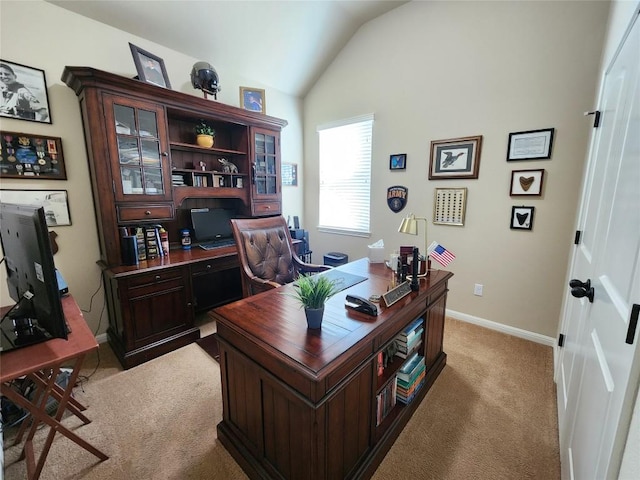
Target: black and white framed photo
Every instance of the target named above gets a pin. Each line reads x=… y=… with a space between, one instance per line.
x=455 y=158
x=150 y=67
x=55 y=203
x=526 y=182
x=530 y=145
x=398 y=161
x=23 y=93
x=522 y=218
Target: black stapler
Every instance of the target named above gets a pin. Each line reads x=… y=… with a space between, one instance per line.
x=359 y=304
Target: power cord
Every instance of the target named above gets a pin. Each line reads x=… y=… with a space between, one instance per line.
x=82 y=379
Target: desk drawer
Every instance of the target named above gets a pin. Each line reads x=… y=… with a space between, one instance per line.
x=145 y=212
x=159 y=276
x=266 y=208
x=215 y=265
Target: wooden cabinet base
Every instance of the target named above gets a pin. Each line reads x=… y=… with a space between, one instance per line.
x=133 y=358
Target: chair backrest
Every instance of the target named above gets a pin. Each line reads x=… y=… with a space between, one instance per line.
x=265 y=252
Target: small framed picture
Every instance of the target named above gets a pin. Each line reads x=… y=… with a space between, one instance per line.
x=28 y=156
x=449 y=206
x=23 y=93
x=289 y=174
x=522 y=218
x=526 y=182
x=55 y=203
x=455 y=158
x=398 y=161
x=252 y=99
x=530 y=145
x=150 y=67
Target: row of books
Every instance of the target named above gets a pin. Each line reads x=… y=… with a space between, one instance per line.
x=410 y=338
x=386 y=400
x=410 y=378
x=149 y=240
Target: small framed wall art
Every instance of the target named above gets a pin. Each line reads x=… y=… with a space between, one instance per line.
x=455 y=158
x=24 y=155
x=289 y=174
x=24 y=93
x=526 y=182
x=398 y=161
x=253 y=99
x=522 y=218
x=150 y=67
x=530 y=145
x=449 y=206
x=55 y=203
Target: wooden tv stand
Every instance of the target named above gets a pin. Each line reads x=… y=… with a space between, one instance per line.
x=302 y=404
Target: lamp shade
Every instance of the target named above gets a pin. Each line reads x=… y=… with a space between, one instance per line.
x=409 y=225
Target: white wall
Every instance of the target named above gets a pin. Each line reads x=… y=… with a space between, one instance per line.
x=441 y=70
x=41 y=35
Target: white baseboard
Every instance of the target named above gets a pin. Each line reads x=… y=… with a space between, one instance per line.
x=102 y=338
x=516 y=332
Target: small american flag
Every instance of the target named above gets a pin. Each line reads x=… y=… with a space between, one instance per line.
x=440 y=254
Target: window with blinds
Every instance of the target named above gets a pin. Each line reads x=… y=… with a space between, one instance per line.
x=345 y=176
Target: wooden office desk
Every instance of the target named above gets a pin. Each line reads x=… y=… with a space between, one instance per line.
x=301 y=404
x=42 y=363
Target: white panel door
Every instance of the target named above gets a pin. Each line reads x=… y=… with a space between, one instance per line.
x=596 y=362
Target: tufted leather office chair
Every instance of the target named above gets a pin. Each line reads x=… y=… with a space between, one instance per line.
x=266 y=254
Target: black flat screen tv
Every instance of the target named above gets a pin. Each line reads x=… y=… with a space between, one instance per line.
x=37 y=315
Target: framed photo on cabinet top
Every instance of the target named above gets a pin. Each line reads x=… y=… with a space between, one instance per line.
x=253 y=99
x=526 y=182
x=24 y=93
x=29 y=156
x=455 y=158
x=150 y=67
x=522 y=218
x=398 y=161
x=530 y=145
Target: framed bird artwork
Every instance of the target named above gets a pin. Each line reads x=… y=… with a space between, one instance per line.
x=455 y=158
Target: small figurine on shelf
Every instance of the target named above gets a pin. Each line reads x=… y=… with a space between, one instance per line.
x=203 y=166
x=227 y=166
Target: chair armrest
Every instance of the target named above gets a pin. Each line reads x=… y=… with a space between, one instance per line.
x=308 y=267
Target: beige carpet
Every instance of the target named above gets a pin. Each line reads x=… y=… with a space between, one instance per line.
x=490 y=415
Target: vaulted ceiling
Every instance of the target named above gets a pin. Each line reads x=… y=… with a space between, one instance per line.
x=285 y=44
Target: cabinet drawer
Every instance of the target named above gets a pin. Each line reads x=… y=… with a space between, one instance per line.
x=266 y=208
x=160 y=276
x=215 y=265
x=145 y=212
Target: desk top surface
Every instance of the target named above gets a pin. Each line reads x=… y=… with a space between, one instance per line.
x=21 y=361
x=275 y=322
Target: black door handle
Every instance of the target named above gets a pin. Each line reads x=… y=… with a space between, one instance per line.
x=582 y=289
x=577 y=283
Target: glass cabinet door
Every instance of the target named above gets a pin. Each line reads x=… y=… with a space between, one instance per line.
x=266 y=164
x=140 y=145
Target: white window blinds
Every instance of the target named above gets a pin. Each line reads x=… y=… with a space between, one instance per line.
x=345 y=175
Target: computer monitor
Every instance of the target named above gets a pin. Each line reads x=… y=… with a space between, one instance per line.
x=37 y=315
x=211 y=223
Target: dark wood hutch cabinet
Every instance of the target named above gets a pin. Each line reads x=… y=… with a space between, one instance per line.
x=146 y=169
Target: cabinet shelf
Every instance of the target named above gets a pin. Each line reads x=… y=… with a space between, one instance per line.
x=182 y=193
x=210 y=172
x=188 y=147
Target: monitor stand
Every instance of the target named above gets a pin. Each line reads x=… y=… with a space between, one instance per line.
x=21 y=332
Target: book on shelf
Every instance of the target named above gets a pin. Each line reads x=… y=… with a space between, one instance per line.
x=406 y=399
x=406 y=346
x=416 y=365
x=386 y=400
x=407 y=382
x=140 y=240
x=410 y=330
x=152 y=236
x=402 y=354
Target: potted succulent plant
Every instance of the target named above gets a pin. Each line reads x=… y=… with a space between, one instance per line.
x=313 y=291
x=205 y=134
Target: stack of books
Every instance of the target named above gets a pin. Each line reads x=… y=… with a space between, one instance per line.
x=410 y=338
x=386 y=400
x=410 y=378
x=177 y=180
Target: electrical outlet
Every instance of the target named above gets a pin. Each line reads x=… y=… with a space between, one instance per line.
x=477 y=289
